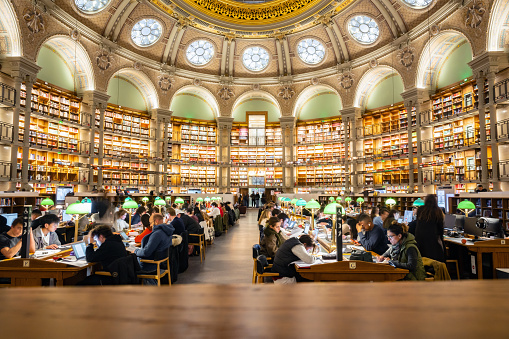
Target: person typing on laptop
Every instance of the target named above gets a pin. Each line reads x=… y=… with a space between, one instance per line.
x=45 y=235
x=10 y=241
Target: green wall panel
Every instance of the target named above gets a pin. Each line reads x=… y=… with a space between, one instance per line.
x=386 y=93
x=191 y=106
x=456 y=68
x=323 y=105
x=125 y=94
x=54 y=70
x=239 y=114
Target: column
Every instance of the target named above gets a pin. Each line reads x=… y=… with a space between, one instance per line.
x=224 y=127
x=288 y=138
x=349 y=116
x=92 y=149
x=29 y=82
x=408 y=106
x=162 y=119
x=493 y=132
x=15 y=135
x=482 y=133
x=100 y=157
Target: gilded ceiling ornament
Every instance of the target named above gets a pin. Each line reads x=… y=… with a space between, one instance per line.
x=137 y=65
x=315 y=81
x=373 y=63
x=434 y=30
x=104 y=59
x=256 y=87
x=475 y=13
x=406 y=56
x=286 y=92
x=197 y=82
x=165 y=81
x=34 y=20
x=74 y=34
x=346 y=80
x=225 y=93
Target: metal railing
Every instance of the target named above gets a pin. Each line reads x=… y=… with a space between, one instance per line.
x=5 y=170
x=7 y=95
x=6 y=131
x=500 y=91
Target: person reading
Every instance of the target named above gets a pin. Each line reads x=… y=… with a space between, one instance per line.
x=45 y=236
x=371 y=237
x=10 y=241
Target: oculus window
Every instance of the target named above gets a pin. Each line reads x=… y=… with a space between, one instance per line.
x=363 y=29
x=200 y=52
x=146 y=32
x=255 y=58
x=91 y=6
x=311 y=51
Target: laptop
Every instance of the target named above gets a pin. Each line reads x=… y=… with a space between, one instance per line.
x=408 y=216
x=79 y=250
x=291 y=224
x=306 y=227
x=400 y=220
x=124 y=236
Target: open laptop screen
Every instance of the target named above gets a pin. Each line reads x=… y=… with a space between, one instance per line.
x=79 y=250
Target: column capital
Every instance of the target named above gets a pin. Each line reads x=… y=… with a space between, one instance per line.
x=488 y=62
x=287 y=122
x=96 y=99
x=21 y=67
x=414 y=95
x=350 y=113
x=161 y=113
x=224 y=123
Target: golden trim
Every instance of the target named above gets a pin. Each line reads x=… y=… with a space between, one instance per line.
x=252 y=14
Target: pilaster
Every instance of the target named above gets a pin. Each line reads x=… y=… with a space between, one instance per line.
x=288 y=138
x=162 y=119
x=224 y=127
x=351 y=116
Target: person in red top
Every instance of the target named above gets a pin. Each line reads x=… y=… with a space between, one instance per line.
x=147 y=222
x=221 y=209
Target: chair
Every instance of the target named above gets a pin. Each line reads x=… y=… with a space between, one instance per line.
x=157 y=274
x=440 y=269
x=453 y=261
x=218 y=226
x=226 y=222
x=123 y=270
x=263 y=269
x=200 y=243
x=256 y=253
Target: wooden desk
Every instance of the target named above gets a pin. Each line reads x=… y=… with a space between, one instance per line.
x=352 y=271
x=29 y=272
x=499 y=248
x=453 y=309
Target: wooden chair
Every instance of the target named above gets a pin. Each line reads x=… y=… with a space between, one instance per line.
x=226 y=222
x=158 y=275
x=453 y=261
x=263 y=269
x=200 y=244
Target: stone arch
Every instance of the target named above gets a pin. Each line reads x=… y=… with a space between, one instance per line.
x=199 y=92
x=256 y=95
x=142 y=82
x=370 y=80
x=76 y=57
x=310 y=92
x=498 y=27
x=10 y=42
x=434 y=54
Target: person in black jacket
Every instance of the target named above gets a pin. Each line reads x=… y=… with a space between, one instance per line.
x=191 y=226
x=109 y=248
x=371 y=236
x=429 y=229
x=3 y=225
x=36 y=218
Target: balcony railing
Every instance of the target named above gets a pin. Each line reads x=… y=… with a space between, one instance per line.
x=500 y=90
x=7 y=95
x=6 y=132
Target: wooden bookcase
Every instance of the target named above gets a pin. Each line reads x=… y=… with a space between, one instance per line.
x=240 y=134
x=387 y=120
x=193 y=132
x=126 y=121
x=320 y=131
x=454 y=100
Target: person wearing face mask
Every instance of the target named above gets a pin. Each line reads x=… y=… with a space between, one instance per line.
x=403 y=252
x=119 y=222
x=109 y=248
x=44 y=235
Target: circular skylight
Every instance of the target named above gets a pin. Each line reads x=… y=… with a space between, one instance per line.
x=91 y=6
x=255 y=58
x=200 y=52
x=311 y=51
x=363 y=29
x=418 y=3
x=146 y=32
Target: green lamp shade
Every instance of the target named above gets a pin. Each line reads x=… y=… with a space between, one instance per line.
x=47 y=202
x=348 y=199
x=294 y=201
x=331 y=199
x=466 y=205
x=418 y=202
x=86 y=200
x=179 y=201
x=287 y=200
x=168 y=198
x=199 y=199
x=312 y=204
x=360 y=200
x=331 y=208
x=213 y=198
x=280 y=198
x=128 y=204
x=129 y=198
x=301 y=202
x=219 y=198
x=207 y=199
x=338 y=199
x=390 y=202
x=145 y=199
x=159 y=202
x=76 y=208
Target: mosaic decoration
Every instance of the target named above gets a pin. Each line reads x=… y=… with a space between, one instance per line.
x=286 y=93
x=34 y=20
x=225 y=93
x=475 y=13
x=104 y=59
x=406 y=56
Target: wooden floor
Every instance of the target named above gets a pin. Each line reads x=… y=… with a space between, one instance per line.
x=229 y=259
x=455 y=309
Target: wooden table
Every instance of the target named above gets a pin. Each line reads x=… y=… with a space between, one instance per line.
x=352 y=271
x=499 y=248
x=453 y=309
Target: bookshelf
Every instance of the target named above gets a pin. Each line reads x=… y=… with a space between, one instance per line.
x=269 y=177
x=193 y=132
x=264 y=156
x=387 y=120
x=454 y=100
x=309 y=132
x=322 y=176
x=53 y=102
x=198 y=176
x=389 y=146
x=320 y=153
x=192 y=153
x=240 y=135
x=125 y=121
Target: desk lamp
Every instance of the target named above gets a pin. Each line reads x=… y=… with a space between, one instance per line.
x=332 y=209
x=129 y=205
x=76 y=209
x=390 y=202
x=418 y=203
x=287 y=201
x=145 y=200
x=293 y=202
x=47 y=202
x=360 y=201
x=466 y=207
x=167 y=199
x=331 y=199
x=199 y=200
x=207 y=200
x=347 y=201
x=219 y=199
x=313 y=206
x=179 y=201
x=159 y=202
x=300 y=203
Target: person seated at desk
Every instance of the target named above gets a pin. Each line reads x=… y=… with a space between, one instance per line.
x=109 y=248
x=36 y=218
x=136 y=219
x=275 y=212
x=480 y=188
x=371 y=236
x=352 y=225
x=292 y=250
x=156 y=242
x=264 y=217
x=323 y=220
x=176 y=223
x=379 y=221
x=403 y=252
x=10 y=241
x=190 y=213
x=190 y=225
x=147 y=222
x=119 y=222
x=3 y=225
x=45 y=236
x=215 y=211
x=273 y=237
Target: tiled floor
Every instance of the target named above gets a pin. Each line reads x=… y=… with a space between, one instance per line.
x=229 y=259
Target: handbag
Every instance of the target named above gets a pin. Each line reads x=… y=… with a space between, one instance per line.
x=361 y=256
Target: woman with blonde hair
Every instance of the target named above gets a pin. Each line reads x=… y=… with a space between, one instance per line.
x=119 y=222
